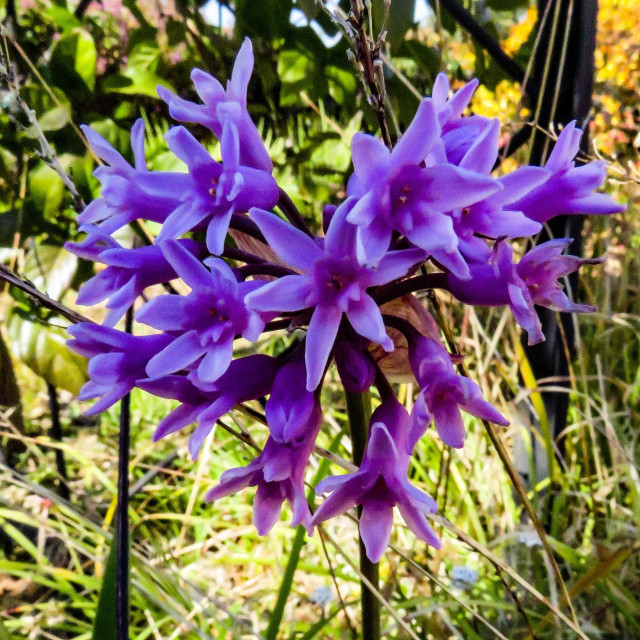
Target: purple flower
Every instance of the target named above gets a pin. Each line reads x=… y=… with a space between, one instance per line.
x=278 y=472
x=569 y=189
x=122 y=199
x=117 y=361
x=395 y=193
x=246 y=379
x=290 y=407
x=380 y=484
x=533 y=281
x=211 y=192
x=459 y=132
x=223 y=108
x=206 y=320
x=353 y=360
x=442 y=394
x=128 y=273
x=494 y=216
x=332 y=282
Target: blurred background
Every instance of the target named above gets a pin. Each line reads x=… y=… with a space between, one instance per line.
x=201 y=571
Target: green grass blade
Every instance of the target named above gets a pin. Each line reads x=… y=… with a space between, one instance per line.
x=104 y=626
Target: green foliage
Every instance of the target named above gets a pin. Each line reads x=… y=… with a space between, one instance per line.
x=43 y=349
x=104 y=624
x=73 y=62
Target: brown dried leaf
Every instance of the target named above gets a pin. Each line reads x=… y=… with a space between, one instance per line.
x=395 y=365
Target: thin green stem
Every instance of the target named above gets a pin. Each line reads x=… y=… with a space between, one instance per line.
x=285 y=586
x=359 y=412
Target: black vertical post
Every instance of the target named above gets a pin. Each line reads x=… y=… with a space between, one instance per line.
x=122 y=513
x=56 y=434
x=574 y=80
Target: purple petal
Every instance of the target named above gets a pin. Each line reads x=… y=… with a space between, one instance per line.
x=207 y=87
x=182 y=352
x=177 y=419
x=525 y=315
x=376 y=522
x=187 y=216
x=232 y=480
x=216 y=361
x=117 y=392
x=164 y=312
x=565 y=148
x=373 y=241
x=371 y=159
x=417 y=522
x=230 y=146
x=365 y=317
x=104 y=150
x=340 y=501
x=187 y=266
x=266 y=508
x=448 y=423
x=186 y=147
x=137 y=144
x=415 y=144
x=320 y=338
x=461 y=98
x=217 y=231
x=341 y=235
x=241 y=73
x=396 y=264
x=289 y=293
x=292 y=245
x=477 y=406
x=483 y=152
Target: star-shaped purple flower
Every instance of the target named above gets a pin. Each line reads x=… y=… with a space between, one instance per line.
x=532 y=281
x=222 y=108
x=211 y=192
x=332 y=282
x=442 y=394
x=117 y=361
x=123 y=200
x=206 y=321
x=278 y=472
x=246 y=379
x=380 y=484
x=396 y=193
x=569 y=190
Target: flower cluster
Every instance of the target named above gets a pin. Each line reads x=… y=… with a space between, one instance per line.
x=428 y=213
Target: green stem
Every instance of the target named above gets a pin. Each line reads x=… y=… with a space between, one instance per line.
x=359 y=412
x=285 y=586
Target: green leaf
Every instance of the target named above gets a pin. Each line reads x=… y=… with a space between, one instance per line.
x=104 y=624
x=52 y=120
x=45 y=188
x=73 y=62
x=44 y=350
x=51 y=269
x=140 y=77
x=62 y=18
